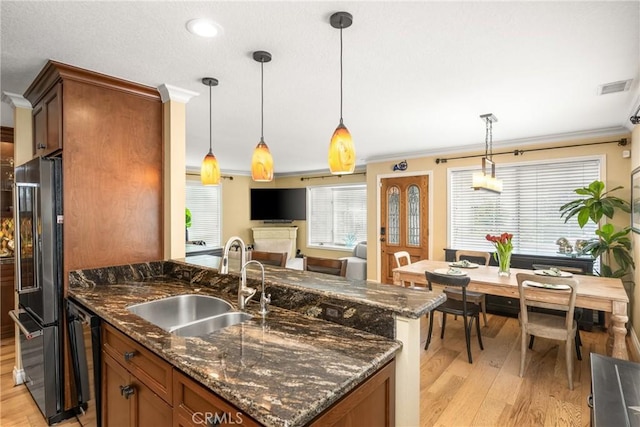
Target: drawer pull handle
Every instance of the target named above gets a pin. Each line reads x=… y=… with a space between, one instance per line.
x=128 y=355
x=126 y=391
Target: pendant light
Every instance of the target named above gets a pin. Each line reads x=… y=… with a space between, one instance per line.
x=342 y=154
x=262 y=161
x=486 y=180
x=210 y=171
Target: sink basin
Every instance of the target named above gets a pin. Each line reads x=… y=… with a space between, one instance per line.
x=172 y=312
x=206 y=326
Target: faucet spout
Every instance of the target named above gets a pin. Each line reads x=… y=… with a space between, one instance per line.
x=224 y=267
x=243 y=290
x=264 y=299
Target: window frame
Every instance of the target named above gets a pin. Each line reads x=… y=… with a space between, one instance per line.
x=602 y=158
x=333 y=246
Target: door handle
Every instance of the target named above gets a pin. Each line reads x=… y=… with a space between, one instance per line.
x=14 y=314
x=127 y=391
x=382 y=239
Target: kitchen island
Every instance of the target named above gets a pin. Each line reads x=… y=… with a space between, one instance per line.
x=285 y=369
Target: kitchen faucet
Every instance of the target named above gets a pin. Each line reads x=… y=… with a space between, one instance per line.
x=264 y=299
x=243 y=290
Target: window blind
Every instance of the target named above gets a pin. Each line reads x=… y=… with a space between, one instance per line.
x=528 y=206
x=338 y=215
x=204 y=204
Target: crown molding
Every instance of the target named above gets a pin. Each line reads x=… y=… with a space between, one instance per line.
x=174 y=93
x=559 y=137
x=16 y=101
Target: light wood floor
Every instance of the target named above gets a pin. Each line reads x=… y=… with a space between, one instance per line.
x=488 y=392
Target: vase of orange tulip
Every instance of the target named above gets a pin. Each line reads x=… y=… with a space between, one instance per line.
x=504 y=247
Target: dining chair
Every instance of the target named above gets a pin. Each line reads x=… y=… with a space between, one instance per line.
x=279 y=259
x=578 y=312
x=472 y=296
x=403 y=258
x=551 y=326
x=337 y=267
x=464 y=308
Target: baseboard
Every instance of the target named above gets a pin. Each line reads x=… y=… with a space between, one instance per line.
x=18 y=376
x=635 y=346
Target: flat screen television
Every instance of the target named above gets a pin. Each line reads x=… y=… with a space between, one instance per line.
x=278 y=204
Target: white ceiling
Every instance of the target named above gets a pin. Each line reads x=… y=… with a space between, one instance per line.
x=417 y=75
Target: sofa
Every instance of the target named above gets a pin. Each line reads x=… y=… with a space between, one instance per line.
x=357 y=262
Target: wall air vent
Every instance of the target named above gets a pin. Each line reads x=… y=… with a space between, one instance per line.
x=614 y=87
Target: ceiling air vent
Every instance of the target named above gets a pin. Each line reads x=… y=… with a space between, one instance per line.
x=614 y=87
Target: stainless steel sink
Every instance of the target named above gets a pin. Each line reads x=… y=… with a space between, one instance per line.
x=206 y=326
x=172 y=312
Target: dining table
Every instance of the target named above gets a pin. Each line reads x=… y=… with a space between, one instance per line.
x=594 y=292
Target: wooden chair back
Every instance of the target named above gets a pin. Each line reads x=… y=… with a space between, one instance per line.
x=403 y=258
x=337 y=267
x=279 y=259
x=474 y=256
x=547 y=325
x=460 y=307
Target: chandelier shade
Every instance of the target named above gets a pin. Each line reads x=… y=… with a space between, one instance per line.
x=342 y=153
x=486 y=180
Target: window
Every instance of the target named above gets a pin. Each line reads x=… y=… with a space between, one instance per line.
x=204 y=204
x=337 y=216
x=528 y=206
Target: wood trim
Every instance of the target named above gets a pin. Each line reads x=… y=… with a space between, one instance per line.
x=54 y=71
x=6 y=134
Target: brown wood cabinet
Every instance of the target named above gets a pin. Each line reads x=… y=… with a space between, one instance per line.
x=139 y=389
x=108 y=132
x=195 y=406
x=6 y=299
x=130 y=401
x=370 y=404
x=47 y=123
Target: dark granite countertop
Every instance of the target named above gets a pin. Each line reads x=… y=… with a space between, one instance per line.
x=281 y=370
x=407 y=302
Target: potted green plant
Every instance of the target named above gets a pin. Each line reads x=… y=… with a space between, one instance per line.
x=609 y=245
x=187 y=222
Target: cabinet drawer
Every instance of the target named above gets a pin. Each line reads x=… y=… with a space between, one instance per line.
x=194 y=405
x=149 y=368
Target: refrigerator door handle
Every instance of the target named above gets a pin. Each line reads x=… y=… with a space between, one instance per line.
x=14 y=314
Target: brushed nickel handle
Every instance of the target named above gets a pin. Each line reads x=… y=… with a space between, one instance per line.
x=128 y=355
x=127 y=391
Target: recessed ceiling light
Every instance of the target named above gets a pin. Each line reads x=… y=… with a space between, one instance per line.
x=203 y=27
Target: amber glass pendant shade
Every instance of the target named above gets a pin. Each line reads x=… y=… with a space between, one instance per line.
x=342 y=154
x=210 y=171
x=262 y=163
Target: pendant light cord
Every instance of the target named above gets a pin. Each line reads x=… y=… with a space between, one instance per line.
x=340 y=70
x=210 y=122
x=262 y=100
x=486 y=138
x=490 y=123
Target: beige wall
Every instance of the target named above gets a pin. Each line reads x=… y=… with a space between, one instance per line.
x=617 y=173
x=236 y=208
x=635 y=313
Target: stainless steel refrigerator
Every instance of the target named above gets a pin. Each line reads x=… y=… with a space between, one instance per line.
x=38 y=240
